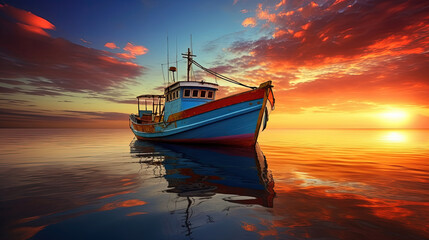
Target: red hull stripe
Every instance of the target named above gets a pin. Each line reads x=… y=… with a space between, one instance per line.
x=224 y=102
x=236 y=140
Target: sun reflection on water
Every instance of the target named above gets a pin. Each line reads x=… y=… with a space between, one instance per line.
x=394 y=137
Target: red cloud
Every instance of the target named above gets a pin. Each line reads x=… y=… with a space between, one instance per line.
x=111 y=45
x=28 y=20
x=33 y=29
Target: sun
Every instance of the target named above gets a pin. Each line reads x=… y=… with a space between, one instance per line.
x=394 y=117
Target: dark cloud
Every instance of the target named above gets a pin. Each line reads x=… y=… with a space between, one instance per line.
x=13 y=101
x=57 y=63
x=37 y=92
x=11 y=82
x=66 y=118
x=9 y=90
x=127 y=101
x=28 y=115
x=100 y=115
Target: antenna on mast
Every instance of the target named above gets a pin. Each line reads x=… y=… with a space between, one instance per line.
x=191 y=43
x=168 y=61
x=188 y=56
x=177 y=67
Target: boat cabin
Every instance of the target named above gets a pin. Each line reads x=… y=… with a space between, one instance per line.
x=177 y=97
x=187 y=94
x=150 y=108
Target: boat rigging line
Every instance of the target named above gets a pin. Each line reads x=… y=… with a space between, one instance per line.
x=220 y=75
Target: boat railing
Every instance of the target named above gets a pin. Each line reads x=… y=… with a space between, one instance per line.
x=135 y=120
x=150 y=109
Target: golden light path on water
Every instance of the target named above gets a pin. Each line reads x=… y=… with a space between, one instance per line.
x=377 y=175
x=394 y=137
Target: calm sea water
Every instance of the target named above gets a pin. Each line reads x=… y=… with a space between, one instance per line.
x=297 y=184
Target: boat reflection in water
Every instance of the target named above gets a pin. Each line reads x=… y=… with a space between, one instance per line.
x=240 y=175
x=203 y=171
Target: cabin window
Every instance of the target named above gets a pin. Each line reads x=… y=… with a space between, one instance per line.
x=194 y=93
x=186 y=93
x=177 y=94
x=210 y=94
x=203 y=94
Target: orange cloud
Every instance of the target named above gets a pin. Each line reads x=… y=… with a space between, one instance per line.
x=249 y=22
x=313 y=4
x=305 y=26
x=264 y=14
x=111 y=45
x=125 y=55
x=286 y=13
x=279 y=33
x=298 y=34
x=135 y=50
x=281 y=3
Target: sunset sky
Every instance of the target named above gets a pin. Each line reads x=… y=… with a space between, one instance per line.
x=334 y=63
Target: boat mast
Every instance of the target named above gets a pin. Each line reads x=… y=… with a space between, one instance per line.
x=188 y=56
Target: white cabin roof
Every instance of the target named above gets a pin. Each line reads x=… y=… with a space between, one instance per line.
x=192 y=84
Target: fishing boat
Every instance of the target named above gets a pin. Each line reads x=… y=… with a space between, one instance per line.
x=188 y=112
